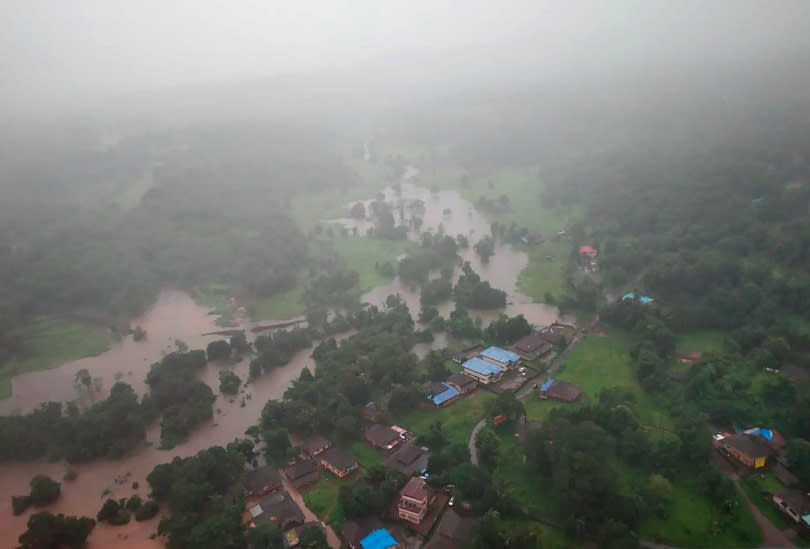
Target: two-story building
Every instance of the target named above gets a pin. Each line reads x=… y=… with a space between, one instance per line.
x=481 y=370
x=414 y=500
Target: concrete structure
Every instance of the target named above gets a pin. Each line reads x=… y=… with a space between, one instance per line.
x=414 y=500
x=481 y=370
x=747 y=449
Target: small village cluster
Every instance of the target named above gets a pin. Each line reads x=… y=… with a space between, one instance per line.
x=418 y=507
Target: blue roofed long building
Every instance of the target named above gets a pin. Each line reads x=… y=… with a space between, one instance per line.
x=482 y=370
x=500 y=357
x=442 y=394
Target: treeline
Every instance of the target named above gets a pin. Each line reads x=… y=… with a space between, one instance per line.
x=211 y=215
x=117 y=424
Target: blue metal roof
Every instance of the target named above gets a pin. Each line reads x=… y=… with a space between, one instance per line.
x=500 y=355
x=546 y=384
x=644 y=299
x=482 y=367
x=444 y=396
x=378 y=539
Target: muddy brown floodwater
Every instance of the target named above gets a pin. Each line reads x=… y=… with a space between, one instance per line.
x=175 y=316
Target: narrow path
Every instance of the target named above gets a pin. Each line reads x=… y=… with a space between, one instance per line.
x=331 y=536
x=471 y=442
x=771 y=535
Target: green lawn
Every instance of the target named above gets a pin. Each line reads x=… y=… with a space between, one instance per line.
x=458 y=419
x=366 y=455
x=690 y=524
x=550 y=537
x=280 y=306
x=707 y=341
x=513 y=473
x=542 y=276
x=597 y=363
x=322 y=499
x=363 y=254
x=51 y=342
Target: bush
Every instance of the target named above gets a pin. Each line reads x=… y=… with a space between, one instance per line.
x=229 y=382
x=44 y=490
x=70 y=475
x=146 y=511
x=19 y=504
x=134 y=503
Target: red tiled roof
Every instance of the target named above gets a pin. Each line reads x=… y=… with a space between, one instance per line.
x=415 y=489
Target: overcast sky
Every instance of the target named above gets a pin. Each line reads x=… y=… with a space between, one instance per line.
x=70 y=48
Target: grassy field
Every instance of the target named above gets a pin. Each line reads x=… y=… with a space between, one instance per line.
x=458 y=419
x=597 y=363
x=53 y=342
x=322 y=499
x=691 y=524
x=278 y=307
x=366 y=455
x=217 y=297
x=363 y=254
x=550 y=537
x=707 y=341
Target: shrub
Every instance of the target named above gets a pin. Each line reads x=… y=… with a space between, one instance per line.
x=146 y=511
x=19 y=504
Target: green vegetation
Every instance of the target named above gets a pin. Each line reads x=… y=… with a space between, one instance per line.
x=322 y=499
x=756 y=486
x=457 y=419
x=366 y=455
x=280 y=306
x=48 y=530
x=50 y=342
x=705 y=342
x=217 y=298
x=363 y=254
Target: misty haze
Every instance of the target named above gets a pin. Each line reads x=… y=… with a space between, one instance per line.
x=437 y=274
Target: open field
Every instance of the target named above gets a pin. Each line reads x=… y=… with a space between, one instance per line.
x=322 y=499
x=217 y=297
x=53 y=342
x=363 y=254
x=597 y=363
x=458 y=419
x=280 y=306
x=705 y=342
x=366 y=455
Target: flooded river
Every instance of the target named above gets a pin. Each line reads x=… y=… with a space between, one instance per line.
x=175 y=316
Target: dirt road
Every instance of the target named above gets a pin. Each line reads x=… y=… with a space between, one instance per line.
x=331 y=536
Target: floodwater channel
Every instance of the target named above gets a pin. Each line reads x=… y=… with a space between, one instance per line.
x=175 y=316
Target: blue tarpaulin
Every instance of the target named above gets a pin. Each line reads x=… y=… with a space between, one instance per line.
x=448 y=394
x=378 y=539
x=482 y=367
x=644 y=299
x=499 y=355
x=546 y=384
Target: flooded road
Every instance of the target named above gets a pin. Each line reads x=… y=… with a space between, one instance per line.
x=175 y=316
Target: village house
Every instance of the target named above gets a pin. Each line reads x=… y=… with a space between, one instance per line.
x=531 y=347
x=463 y=383
x=555 y=389
x=315 y=445
x=795 y=504
x=382 y=436
x=481 y=370
x=462 y=356
x=750 y=450
x=453 y=532
x=414 y=500
x=302 y=473
x=338 y=461
x=410 y=459
x=500 y=357
x=441 y=394
x=261 y=481
x=587 y=258
x=278 y=508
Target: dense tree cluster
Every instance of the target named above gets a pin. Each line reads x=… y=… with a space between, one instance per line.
x=372 y=493
x=506 y=330
x=110 y=427
x=198 y=493
x=277 y=349
x=48 y=530
x=181 y=400
x=44 y=490
x=472 y=292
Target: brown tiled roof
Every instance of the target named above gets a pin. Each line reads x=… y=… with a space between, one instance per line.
x=281 y=509
x=381 y=435
x=561 y=390
x=796 y=499
x=531 y=343
x=407 y=453
x=262 y=479
x=747 y=445
x=415 y=489
x=300 y=469
x=461 y=381
x=355 y=530
x=314 y=444
x=455 y=527
x=338 y=458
